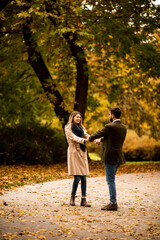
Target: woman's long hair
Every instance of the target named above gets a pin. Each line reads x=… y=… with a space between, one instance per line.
x=70 y=120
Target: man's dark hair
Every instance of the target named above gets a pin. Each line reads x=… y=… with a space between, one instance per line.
x=116 y=112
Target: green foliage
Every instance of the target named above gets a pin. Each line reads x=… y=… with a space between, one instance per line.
x=149 y=59
x=120 y=41
x=32 y=144
x=22 y=98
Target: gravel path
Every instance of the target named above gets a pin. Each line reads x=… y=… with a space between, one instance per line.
x=42 y=211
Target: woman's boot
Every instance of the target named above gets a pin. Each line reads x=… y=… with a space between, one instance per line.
x=72 y=201
x=84 y=202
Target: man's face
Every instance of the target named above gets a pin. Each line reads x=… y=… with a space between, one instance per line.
x=111 y=117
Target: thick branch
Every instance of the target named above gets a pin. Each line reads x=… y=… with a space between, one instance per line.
x=81 y=65
x=42 y=72
x=82 y=75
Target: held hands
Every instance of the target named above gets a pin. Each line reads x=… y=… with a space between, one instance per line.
x=86 y=139
x=97 y=141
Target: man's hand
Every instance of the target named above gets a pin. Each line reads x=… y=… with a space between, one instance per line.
x=97 y=141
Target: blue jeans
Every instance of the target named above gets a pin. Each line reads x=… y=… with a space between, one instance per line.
x=83 y=185
x=110 y=178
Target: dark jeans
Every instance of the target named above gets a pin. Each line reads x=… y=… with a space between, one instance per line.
x=110 y=177
x=83 y=185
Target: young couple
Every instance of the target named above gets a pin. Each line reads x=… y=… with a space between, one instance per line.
x=112 y=136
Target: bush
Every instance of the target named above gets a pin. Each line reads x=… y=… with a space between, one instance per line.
x=143 y=154
x=32 y=144
x=141 y=148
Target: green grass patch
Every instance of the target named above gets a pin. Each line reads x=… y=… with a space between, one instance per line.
x=141 y=162
x=94 y=156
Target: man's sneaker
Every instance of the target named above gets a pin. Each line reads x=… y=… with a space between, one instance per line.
x=110 y=207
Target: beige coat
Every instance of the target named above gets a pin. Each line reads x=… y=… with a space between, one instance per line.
x=76 y=159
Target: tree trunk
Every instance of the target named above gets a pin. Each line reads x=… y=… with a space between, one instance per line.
x=82 y=75
x=42 y=72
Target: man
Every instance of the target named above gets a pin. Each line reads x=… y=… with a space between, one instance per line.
x=112 y=136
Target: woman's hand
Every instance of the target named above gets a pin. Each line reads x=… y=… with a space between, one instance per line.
x=86 y=139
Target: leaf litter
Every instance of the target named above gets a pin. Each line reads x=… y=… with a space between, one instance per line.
x=42 y=211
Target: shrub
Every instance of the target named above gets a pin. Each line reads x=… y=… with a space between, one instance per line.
x=143 y=154
x=32 y=144
x=141 y=148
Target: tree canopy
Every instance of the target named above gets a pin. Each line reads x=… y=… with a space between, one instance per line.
x=83 y=55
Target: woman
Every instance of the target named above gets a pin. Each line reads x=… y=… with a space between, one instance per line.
x=77 y=155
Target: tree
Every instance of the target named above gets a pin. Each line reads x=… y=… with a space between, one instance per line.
x=131 y=89
x=69 y=31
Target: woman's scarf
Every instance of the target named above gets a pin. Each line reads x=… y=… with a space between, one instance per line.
x=78 y=131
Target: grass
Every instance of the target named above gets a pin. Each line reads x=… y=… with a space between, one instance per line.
x=94 y=156
x=141 y=162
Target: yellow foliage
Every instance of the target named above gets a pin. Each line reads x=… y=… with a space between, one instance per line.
x=133 y=141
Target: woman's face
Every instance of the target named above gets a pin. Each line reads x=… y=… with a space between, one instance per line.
x=77 y=118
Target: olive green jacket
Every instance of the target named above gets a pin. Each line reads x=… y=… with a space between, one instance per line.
x=112 y=136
